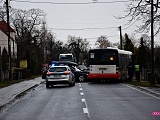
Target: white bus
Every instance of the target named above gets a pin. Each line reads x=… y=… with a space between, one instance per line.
x=107 y=64
x=66 y=57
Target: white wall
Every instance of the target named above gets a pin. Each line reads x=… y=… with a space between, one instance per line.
x=4 y=42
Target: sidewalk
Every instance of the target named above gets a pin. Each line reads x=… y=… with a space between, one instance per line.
x=9 y=93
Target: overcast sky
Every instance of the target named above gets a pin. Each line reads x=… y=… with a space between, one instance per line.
x=89 y=20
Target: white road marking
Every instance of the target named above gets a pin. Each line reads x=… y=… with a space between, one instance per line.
x=80 y=89
x=141 y=91
x=85 y=110
x=81 y=93
x=83 y=100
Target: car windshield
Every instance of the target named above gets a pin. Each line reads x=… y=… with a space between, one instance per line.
x=74 y=68
x=77 y=69
x=82 y=67
x=57 y=69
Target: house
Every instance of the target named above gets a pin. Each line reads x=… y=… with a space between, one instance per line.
x=4 y=38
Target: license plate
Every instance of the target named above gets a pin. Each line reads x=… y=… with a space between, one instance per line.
x=55 y=76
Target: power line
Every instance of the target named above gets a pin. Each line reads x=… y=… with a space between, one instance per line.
x=130 y=24
x=40 y=2
x=102 y=22
x=106 y=36
x=84 y=28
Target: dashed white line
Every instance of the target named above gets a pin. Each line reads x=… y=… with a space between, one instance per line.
x=85 y=110
x=81 y=93
x=80 y=89
x=83 y=100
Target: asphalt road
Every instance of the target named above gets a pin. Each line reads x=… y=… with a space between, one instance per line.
x=107 y=101
x=119 y=102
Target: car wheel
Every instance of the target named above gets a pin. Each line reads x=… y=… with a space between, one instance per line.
x=70 y=84
x=81 y=78
x=47 y=85
x=73 y=83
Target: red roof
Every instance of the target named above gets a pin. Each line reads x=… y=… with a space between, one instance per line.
x=3 y=27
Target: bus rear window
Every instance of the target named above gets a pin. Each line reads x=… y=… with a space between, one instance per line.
x=103 y=58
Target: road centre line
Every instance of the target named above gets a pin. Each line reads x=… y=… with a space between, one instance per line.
x=83 y=100
x=85 y=110
x=81 y=93
x=80 y=89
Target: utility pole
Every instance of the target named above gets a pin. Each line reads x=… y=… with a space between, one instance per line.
x=9 y=42
x=120 y=29
x=152 y=44
x=0 y=65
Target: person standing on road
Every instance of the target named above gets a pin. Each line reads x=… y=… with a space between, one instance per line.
x=130 y=68
x=137 y=72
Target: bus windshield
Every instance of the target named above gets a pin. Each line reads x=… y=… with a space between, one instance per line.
x=103 y=57
x=65 y=57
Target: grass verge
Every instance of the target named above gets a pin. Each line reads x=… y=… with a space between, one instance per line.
x=144 y=84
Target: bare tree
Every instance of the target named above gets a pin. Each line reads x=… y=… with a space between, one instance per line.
x=78 y=46
x=27 y=21
x=140 y=10
x=77 y=42
x=2 y=13
x=103 y=42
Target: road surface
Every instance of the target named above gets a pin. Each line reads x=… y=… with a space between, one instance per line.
x=85 y=101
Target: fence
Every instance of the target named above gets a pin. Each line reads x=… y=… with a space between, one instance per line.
x=4 y=75
x=146 y=74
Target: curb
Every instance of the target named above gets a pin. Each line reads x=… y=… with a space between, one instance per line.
x=148 y=90
x=17 y=97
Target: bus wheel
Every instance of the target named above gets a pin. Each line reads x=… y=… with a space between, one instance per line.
x=121 y=80
x=94 y=81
